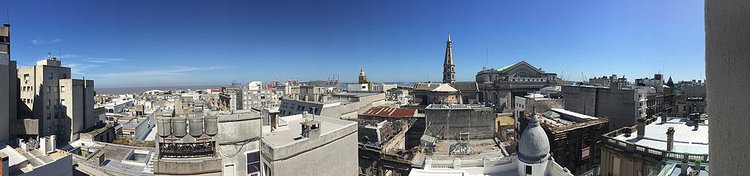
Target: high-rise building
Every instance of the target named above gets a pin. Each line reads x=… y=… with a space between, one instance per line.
x=52 y=103
x=8 y=78
x=449 y=72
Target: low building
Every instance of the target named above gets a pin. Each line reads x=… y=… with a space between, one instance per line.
x=459 y=121
x=446 y=93
x=33 y=158
x=99 y=158
x=540 y=102
x=342 y=105
x=654 y=145
x=307 y=144
x=573 y=138
x=382 y=139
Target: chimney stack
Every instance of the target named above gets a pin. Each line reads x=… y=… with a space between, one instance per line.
x=670 y=139
x=310 y=127
x=641 y=128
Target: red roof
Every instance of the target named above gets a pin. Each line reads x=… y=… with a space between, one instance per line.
x=391 y=112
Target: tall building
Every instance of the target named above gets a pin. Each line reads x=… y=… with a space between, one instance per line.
x=449 y=72
x=52 y=103
x=727 y=60
x=8 y=78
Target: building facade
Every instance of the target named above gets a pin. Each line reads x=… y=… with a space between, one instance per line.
x=52 y=103
x=307 y=144
x=621 y=106
x=8 y=85
x=500 y=85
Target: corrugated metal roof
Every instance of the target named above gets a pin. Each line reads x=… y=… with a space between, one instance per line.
x=390 y=112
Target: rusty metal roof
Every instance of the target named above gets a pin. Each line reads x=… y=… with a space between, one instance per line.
x=391 y=112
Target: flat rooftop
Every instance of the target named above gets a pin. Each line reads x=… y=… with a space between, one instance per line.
x=355 y=94
x=448 y=106
x=290 y=130
x=686 y=140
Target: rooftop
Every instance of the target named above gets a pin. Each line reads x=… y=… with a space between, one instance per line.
x=686 y=139
x=448 y=106
x=390 y=112
x=289 y=133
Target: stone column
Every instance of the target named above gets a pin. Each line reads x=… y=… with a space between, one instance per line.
x=670 y=139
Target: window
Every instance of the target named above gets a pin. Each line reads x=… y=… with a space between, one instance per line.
x=62 y=101
x=528 y=170
x=62 y=88
x=26 y=78
x=253 y=163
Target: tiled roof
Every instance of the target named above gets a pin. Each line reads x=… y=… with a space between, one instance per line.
x=391 y=112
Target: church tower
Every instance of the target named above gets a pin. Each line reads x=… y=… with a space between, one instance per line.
x=449 y=72
x=362 y=77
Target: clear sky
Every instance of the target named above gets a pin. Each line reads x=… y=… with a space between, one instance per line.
x=182 y=42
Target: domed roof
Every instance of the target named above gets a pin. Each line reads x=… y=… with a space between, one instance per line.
x=533 y=147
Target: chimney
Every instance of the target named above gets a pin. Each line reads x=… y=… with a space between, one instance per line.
x=310 y=127
x=641 y=127
x=670 y=139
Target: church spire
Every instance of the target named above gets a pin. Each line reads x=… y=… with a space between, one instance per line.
x=449 y=73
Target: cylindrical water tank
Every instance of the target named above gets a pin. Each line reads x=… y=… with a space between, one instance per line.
x=211 y=124
x=164 y=126
x=179 y=126
x=196 y=126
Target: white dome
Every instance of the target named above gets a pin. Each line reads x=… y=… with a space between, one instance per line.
x=533 y=147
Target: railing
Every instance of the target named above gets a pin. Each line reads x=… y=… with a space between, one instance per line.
x=459 y=163
x=609 y=139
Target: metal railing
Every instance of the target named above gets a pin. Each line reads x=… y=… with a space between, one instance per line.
x=609 y=139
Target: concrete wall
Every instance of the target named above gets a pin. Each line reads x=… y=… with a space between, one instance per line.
x=619 y=106
x=727 y=77
x=618 y=162
x=580 y=99
x=5 y=97
x=479 y=123
x=232 y=148
x=78 y=96
x=337 y=158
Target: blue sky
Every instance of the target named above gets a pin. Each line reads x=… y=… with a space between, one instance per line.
x=144 y=43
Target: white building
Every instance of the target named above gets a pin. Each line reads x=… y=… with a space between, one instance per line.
x=255 y=85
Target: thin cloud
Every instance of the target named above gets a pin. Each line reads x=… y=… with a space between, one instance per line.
x=162 y=73
x=97 y=60
x=38 y=42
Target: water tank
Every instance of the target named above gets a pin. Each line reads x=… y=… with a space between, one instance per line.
x=196 y=126
x=164 y=126
x=211 y=125
x=179 y=126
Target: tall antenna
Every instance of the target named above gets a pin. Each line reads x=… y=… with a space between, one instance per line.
x=7 y=11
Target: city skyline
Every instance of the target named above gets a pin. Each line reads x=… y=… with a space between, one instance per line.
x=131 y=44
